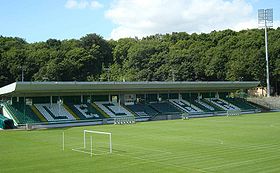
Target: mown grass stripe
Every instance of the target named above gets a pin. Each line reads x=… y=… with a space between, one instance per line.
x=250 y=145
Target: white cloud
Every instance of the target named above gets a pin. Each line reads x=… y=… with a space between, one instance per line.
x=145 y=17
x=71 y=4
x=276 y=24
x=82 y=4
x=95 y=4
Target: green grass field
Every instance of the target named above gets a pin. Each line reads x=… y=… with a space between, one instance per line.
x=246 y=143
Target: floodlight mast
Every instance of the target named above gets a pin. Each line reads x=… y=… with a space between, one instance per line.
x=265 y=19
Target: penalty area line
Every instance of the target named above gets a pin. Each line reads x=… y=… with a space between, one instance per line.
x=87 y=152
x=234 y=164
x=160 y=163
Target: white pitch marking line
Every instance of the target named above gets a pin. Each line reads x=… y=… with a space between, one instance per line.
x=87 y=152
x=153 y=161
x=142 y=148
x=241 y=163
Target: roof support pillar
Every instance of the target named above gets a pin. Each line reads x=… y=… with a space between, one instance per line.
x=51 y=101
x=180 y=96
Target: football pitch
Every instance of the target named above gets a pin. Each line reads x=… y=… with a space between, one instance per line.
x=246 y=143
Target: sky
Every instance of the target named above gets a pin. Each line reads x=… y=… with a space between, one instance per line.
x=40 y=20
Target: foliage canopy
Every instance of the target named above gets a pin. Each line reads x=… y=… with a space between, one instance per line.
x=219 y=55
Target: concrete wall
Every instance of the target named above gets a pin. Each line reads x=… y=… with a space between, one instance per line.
x=269 y=102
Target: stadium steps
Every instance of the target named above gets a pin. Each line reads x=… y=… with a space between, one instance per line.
x=11 y=113
x=17 y=112
x=226 y=104
x=142 y=109
x=92 y=110
x=54 y=112
x=74 y=110
x=216 y=108
x=28 y=116
x=117 y=109
x=100 y=110
x=71 y=112
x=203 y=108
x=184 y=106
x=39 y=115
x=129 y=110
x=104 y=108
x=152 y=108
x=178 y=106
x=164 y=108
x=219 y=105
x=113 y=109
x=53 y=115
x=242 y=104
x=192 y=106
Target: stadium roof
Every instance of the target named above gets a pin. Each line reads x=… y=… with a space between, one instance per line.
x=76 y=88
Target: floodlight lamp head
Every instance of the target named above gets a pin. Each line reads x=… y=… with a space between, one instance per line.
x=265 y=18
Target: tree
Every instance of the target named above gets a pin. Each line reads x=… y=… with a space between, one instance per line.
x=219 y=55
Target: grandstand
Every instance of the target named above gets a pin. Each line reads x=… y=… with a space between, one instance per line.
x=142 y=109
x=85 y=103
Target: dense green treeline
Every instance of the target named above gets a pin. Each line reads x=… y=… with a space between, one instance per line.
x=223 y=55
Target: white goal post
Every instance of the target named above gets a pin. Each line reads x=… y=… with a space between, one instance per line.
x=92 y=142
x=102 y=133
